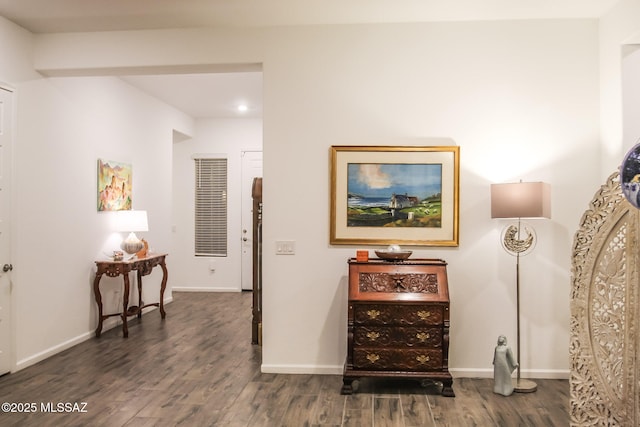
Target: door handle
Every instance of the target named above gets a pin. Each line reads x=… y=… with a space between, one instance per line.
x=7 y=267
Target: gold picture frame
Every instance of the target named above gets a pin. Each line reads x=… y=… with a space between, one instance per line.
x=405 y=195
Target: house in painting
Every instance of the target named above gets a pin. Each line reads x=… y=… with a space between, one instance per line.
x=400 y=201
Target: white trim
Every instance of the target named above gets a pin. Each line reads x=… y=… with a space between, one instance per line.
x=555 y=374
x=303 y=369
x=455 y=373
x=38 y=357
x=209 y=156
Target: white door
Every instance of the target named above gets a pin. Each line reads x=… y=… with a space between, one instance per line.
x=251 y=168
x=5 y=248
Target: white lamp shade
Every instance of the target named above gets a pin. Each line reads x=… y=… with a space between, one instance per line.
x=128 y=221
x=521 y=200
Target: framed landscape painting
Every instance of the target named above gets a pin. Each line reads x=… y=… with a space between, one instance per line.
x=382 y=195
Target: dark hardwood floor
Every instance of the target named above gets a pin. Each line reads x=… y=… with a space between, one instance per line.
x=198 y=368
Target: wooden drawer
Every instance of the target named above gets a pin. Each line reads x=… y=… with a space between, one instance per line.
x=389 y=359
x=400 y=337
x=397 y=314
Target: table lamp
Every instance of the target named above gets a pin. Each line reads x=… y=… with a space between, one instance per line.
x=131 y=221
x=520 y=200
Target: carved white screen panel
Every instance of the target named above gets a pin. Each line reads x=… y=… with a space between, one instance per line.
x=604 y=341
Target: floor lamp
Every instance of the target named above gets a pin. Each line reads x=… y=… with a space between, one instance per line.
x=516 y=201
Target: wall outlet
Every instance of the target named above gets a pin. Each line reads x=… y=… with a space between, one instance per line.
x=285 y=247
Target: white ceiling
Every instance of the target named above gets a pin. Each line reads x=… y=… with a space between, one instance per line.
x=103 y=15
x=206 y=95
x=217 y=95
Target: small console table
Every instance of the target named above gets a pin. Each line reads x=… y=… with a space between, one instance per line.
x=143 y=266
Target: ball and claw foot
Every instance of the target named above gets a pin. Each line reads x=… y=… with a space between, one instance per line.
x=347 y=386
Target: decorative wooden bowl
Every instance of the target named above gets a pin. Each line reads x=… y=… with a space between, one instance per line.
x=388 y=255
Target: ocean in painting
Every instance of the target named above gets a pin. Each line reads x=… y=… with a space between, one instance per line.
x=367 y=202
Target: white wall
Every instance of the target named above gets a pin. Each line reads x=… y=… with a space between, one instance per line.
x=63 y=125
x=228 y=137
x=618 y=28
x=520 y=98
x=631 y=95
x=16 y=45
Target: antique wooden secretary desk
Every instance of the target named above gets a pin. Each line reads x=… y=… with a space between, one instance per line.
x=398 y=321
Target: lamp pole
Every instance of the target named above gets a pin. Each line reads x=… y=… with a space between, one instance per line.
x=518 y=314
x=521 y=386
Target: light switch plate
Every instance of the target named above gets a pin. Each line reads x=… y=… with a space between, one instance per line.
x=285 y=247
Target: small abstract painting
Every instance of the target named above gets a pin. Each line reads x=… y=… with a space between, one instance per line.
x=114 y=185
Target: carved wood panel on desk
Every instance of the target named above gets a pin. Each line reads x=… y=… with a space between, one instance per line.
x=398 y=322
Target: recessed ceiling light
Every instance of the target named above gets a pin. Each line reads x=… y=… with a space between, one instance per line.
x=242 y=108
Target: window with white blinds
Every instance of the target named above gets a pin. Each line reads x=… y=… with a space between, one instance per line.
x=211 y=207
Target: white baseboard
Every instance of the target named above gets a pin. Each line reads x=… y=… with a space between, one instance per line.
x=38 y=357
x=525 y=373
x=106 y=325
x=303 y=369
x=456 y=373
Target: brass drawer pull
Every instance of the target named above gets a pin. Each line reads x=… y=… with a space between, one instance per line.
x=422 y=314
x=422 y=359
x=423 y=336
x=373 y=336
x=373 y=314
x=373 y=358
